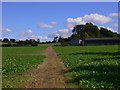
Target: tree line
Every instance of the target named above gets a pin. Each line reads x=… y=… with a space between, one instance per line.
x=13 y=42
x=28 y=42
x=88 y=30
x=82 y=32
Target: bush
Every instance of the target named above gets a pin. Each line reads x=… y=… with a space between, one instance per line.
x=34 y=44
x=6 y=45
x=65 y=44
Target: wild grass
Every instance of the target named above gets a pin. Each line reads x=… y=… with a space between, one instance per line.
x=16 y=61
x=92 y=66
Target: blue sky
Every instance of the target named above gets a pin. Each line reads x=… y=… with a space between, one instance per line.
x=44 y=20
x=60 y=1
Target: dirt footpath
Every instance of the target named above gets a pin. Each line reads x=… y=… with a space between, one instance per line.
x=50 y=74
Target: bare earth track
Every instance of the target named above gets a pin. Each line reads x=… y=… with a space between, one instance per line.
x=49 y=74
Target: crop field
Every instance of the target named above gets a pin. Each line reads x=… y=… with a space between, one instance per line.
x=92 y=66
x=18 y=60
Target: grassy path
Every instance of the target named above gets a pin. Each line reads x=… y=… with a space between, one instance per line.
x=50 y=74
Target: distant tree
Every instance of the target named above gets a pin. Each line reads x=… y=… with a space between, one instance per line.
x=12 y=40
x=6 y=40
x=60 y=39
x=21 y=43
x=107 y=33
x=33 y=42
x=49 y=41
x=42 y=42
x=55 y=39
x=118 y=35
x=0 y=40
x=38 y=40
x=27 y=41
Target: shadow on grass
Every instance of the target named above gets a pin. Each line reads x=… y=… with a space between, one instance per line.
x=102 y=58
x=102 y=73
x=109 y=74
x=97 y=53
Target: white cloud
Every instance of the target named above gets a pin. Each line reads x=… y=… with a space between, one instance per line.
x=113 y=14
x=26 y=34
x=116 y=25
x=96 y=18
x=71 y=22
x=29 y=32
x=47 y=25
x=45 y=38
x=54 y=34
x=93 y=18
x=42 y=38
x=109 y=28
x=6 y=31
x=62 y=32
x=112 y=29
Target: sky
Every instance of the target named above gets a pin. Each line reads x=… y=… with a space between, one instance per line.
x=60 y=0
x=45 y=20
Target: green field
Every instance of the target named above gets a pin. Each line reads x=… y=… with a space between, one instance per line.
x=16 y=61
x=92 y=66
x=89 y=66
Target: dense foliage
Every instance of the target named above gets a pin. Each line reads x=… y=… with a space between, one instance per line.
x=91 y=31
x=92 y=66
x=12 y=42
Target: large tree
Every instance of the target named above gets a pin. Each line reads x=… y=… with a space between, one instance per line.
x=107 y=33
x=88 y=30
x=79 y=31
x=91 y=31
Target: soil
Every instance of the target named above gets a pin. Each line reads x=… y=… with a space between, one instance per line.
x=49 y=74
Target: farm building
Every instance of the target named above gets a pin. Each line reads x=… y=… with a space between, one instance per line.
x=95 y=41
x=75 y=41
x=101 y=41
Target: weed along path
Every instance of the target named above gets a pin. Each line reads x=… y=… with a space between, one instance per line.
x=50 y=74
